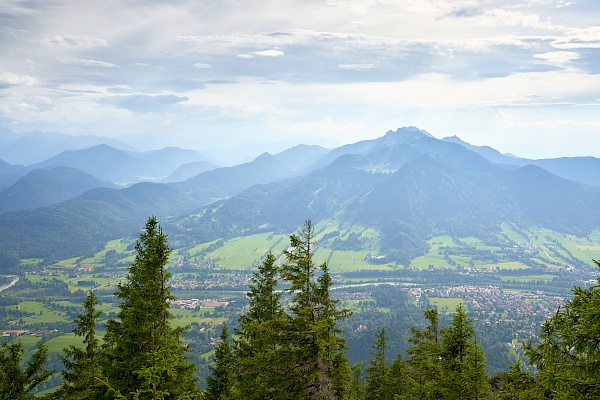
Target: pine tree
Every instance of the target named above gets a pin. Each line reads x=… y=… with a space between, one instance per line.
x=425 y=367
x=82 y=366
x=464 y=373
x=516 y=385
x=16 y=383
x=377 y=372
x=143 y=334
x=220 y=381
x=259 y=348
x=317 y=366
x=568 y=354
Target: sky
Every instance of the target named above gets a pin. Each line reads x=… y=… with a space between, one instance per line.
x=522 y=77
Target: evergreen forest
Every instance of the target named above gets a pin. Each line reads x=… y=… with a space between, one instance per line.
x=288 y=344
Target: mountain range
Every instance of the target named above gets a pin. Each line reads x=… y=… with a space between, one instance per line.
x=406 y=184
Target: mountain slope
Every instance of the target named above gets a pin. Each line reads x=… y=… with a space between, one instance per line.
x=409 y=191
x=73 y=227
x=9 y=174
x=102 y=161
x=117 y=166
x=41 y=188
x=189 y=170
x=578 y=169
x=33 y=147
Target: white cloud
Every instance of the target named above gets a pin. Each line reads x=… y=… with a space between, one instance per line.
x=360 y=65
x=8 y=79
x=75 y=41
x=268 y=53
x=558 y=57
x=357 y=67
x=87 y=63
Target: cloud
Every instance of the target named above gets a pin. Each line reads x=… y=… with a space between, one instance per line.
x=8 y=79
x=15 y=8
x=261 y=53
x=269 y=53
x=141 y=103
x=74 y=41
x=87 y=63
x=201 y=65
x=357 y=67
x=558 y=57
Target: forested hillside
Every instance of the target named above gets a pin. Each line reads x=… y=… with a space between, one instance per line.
x=288 y=344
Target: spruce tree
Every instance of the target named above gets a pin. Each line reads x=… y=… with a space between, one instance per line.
x=568 y=354
x=516 y=385
x=259 y=348
x=464 y=374
x=82 y=366
x=317 y=367
x=143 y=334
x=220 y=381
x=378 y=369
x=425 y=368
x=16 y=383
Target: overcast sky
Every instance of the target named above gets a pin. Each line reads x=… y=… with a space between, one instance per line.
x=521 y=76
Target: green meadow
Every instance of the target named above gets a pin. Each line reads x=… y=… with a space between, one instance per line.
x=447 y=304
x=529 y=278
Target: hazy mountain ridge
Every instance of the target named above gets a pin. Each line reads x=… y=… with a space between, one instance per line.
x=430 y=186
x=41 y=187
x=109 y=164
x=579 y=169
x=84 y=222
x=32 y=147
x=189 y=170
x=407 y=184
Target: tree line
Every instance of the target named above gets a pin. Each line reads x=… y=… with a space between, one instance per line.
x=288 y=345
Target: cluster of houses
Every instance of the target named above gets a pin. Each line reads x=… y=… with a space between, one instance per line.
x=12 y=333
x=193 y=303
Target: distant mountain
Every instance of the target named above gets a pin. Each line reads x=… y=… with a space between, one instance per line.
x=407 y=185
x=409 y=190
x=85 y=222
x=117 y=166
x=301 y=156
x=33 y=147
x=163 y=162
x=189 y=170
x=227 y=181
x=104 y=162
x=391 y=138
x=578 y=169
x=9 y=174
x=41 y=188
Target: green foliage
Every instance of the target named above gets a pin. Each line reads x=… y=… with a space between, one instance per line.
x=568 y=355
x=377 y=370
x=516 y=385
x=316 y=356
x=16 y=383
x=260 y=347
x=82 y=367
x=220 y=381
x=142 y=355
x=445 y=363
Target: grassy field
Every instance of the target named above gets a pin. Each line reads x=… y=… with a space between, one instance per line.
x=529 y=278
x=512 y=265
x=346 y=261
x=447 y=304
x=241 y=252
